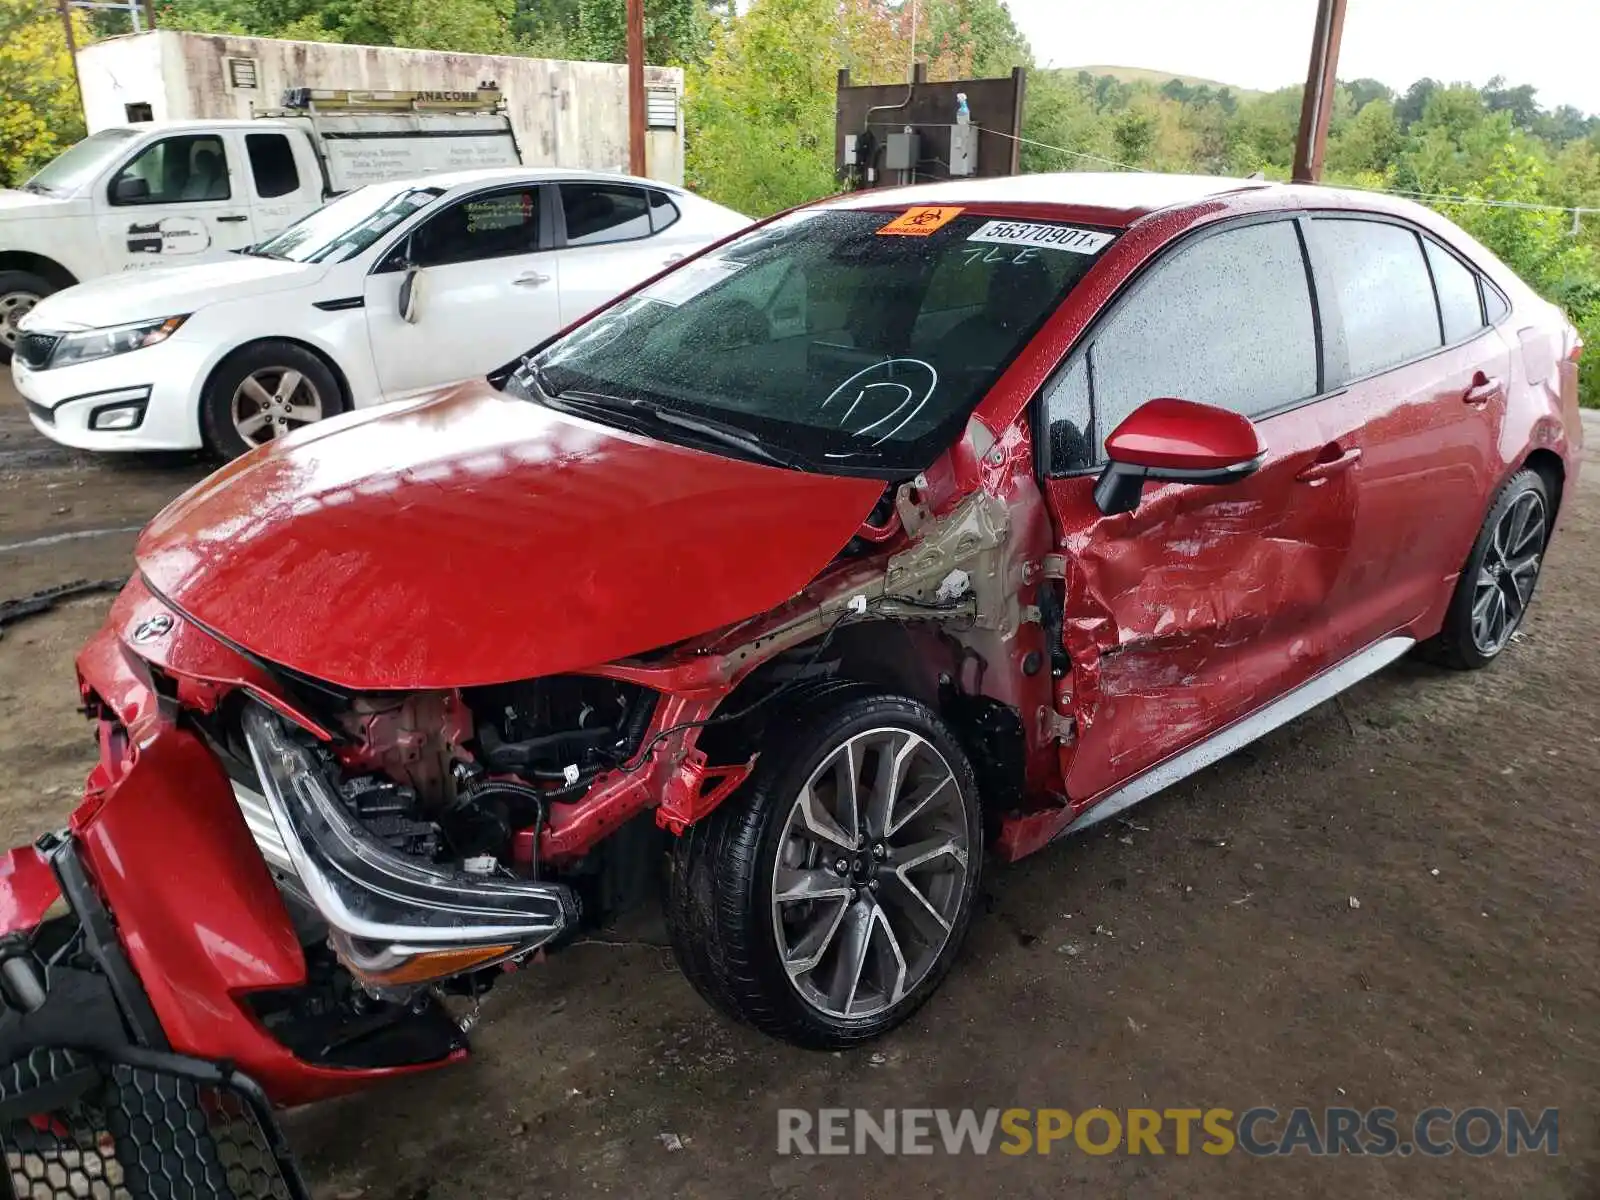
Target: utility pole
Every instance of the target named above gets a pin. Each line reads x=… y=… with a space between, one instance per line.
x=636 y=163
x=1312 y=143
x=65 y=8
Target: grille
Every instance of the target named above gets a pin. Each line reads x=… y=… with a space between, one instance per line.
x=35 y=349
x=157 y=1127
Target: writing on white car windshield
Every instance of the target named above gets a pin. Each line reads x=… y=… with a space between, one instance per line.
x=345 y=227
x=857 y=341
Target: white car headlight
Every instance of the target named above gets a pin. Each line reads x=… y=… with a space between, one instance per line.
x=114 y=339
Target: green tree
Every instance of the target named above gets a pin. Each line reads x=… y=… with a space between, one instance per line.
x=40 y=114
x=675 y=31
x=1369 y=142
x=761 y=108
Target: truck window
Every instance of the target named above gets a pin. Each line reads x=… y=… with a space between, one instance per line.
x=271 y=164
x=604 y=212
x=489 y=225
x=185 y=167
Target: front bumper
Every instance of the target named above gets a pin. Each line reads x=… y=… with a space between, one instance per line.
x=138 y=1124
x=63 y=401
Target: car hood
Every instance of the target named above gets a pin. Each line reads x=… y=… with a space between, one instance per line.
x=467 y=537
x=14 y=202
x=167 y=291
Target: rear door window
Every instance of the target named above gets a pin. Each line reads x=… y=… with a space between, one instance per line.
x=1374 y=277
x=604 y=212
x=272 y=164
x=663 y=211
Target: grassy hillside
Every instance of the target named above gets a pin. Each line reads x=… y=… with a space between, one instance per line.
x=1157 y=78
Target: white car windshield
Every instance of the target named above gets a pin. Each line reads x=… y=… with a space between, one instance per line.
x=347 y=226
x=80 y=164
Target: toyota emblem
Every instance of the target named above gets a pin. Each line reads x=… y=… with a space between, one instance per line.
x=150 y=630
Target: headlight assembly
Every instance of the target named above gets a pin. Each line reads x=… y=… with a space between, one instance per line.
x=91 y=344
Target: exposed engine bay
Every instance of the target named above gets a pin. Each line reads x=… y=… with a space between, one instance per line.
x=450 y=778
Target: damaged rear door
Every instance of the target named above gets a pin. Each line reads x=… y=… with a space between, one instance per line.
x=1207 y=601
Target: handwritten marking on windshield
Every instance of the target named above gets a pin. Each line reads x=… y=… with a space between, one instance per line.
x=907 y=401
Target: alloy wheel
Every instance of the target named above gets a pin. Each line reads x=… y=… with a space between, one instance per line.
x=870 y=874
x=1508 y=572
x=13 y=307
x=273 y=402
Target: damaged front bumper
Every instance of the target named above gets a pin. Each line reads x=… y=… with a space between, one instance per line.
x=395 y=920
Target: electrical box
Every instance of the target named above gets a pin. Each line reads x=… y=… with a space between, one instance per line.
x=963 y=150
x=850 y=150
x=901 y=151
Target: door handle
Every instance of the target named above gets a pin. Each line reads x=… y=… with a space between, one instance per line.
x=672 y=258
x=1484 y=389
x=236 y=217
x=1326 y=468
x=531 y=279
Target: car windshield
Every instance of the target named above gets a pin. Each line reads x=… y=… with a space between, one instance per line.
x=80 y=164
x=856 y=342
x=347 y=226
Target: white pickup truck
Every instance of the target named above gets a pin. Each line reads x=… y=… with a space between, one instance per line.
x=163 y=194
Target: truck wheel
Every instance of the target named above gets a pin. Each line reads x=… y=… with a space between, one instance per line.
x=826 y=902
x=262 y=392
x=19 y=292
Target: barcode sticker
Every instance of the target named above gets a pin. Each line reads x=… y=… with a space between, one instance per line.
x=1043 y=237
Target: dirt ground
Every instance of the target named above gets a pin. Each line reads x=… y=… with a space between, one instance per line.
x=1203 y=953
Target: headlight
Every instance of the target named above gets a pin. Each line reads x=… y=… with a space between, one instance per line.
x=115 y=339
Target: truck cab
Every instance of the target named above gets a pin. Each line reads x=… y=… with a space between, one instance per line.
x=166 y=194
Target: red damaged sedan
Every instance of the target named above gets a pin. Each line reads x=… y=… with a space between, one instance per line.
x=898 y=531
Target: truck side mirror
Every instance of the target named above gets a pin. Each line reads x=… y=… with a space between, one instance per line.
x=130 y=189
x=411 y=295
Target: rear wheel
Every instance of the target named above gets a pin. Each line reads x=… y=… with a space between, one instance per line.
x=1496 y=586
x=263 y=392
x=826 y=902
x=19 y=292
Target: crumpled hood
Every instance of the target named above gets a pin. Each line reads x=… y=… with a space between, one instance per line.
x=167 y=291
x=467 y=537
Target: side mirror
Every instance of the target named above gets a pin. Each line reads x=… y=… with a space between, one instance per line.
x=1175 y=441
x=130 y=189
x=411 y=296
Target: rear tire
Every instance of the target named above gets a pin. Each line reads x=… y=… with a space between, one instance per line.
x=262 y=392
x=1496 y=586
x=19 y=292
x=821 y=924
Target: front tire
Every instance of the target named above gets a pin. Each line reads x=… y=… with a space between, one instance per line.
x=1496 y=586
x=826 y=902
x=19 y=292
x=262 y=392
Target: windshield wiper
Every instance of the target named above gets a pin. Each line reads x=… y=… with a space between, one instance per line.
x=716 y=431
x=38 y=189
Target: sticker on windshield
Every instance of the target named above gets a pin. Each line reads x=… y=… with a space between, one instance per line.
x=921 y=221
x=689 y=281
x=1043 y=237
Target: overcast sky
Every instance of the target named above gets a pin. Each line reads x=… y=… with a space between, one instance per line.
x=1552 y=44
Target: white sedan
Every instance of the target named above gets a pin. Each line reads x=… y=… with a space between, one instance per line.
x=392 y=288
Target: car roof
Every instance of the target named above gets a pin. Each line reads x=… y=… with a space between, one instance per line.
x=1120 y=197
